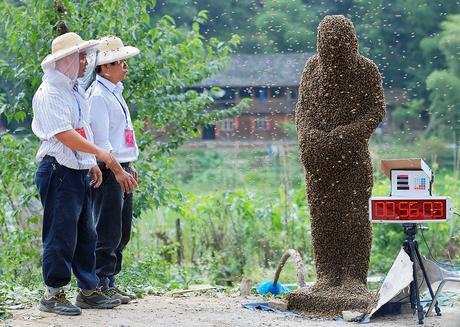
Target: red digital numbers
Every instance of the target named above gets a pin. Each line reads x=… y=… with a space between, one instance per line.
x=408 y=210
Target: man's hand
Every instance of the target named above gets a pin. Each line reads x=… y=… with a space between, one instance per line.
x=134 y=173
x=96 y=177
x=126 y=181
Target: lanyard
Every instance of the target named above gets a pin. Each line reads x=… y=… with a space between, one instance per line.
x=121 y=104
x=78 y=106
x=79 y=109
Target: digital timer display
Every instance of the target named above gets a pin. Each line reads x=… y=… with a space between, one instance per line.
x=402 y=210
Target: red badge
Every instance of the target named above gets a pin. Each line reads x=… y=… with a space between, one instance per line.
x=129 y=137
x=81 y=131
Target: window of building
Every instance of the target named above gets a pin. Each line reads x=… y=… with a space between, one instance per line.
x=246 y=92
x=261 y=123
x=230 y=94
x=260 y=93
x=277 y=92
x=227 y=125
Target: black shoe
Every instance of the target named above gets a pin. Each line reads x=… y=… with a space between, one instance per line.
x=95 y=300
x=114 y=294
x=58 y=304
x=131 y=296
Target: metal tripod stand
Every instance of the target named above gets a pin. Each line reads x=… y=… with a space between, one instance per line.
x=411 y=247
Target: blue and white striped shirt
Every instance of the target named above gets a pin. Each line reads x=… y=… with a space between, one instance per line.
x=59 y=107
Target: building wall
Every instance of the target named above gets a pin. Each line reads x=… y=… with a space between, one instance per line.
x=247 y=126
x=262 y=120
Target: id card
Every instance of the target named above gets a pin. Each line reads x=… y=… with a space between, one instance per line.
x=129 y=137
x=81 y=131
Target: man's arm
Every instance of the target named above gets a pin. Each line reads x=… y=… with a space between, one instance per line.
x=76 y=142
x=365 y=125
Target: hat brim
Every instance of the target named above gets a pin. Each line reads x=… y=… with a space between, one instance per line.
x=106 y=57
x=66 y=52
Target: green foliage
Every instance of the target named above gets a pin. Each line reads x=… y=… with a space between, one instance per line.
x=25 y=34
x=283 y=25
x=449 y=42
x=20 y=260
x=183 y=11
x=444 y=85
x=20 y=242
x=204 y=171
x=17 y=169
x=148 y=270
x=409 y=111
x=231 y=233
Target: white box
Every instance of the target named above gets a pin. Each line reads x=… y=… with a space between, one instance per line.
x=410 y=183
x=409 y=177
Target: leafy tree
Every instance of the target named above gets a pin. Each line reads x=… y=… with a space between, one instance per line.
x=444 y=85
x=25 y=32
x=166 y=113
x=409 y=111
x=283 y=25
x=390 y=33
x=183 y=11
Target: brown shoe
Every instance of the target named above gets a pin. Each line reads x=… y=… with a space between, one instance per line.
x=58 y=304
x=131 y=296
x=96 y=300
x=113 y=293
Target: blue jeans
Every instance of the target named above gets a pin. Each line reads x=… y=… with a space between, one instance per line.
x=69 y=236
x=113 y=213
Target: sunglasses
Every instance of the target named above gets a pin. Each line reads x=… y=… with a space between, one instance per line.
x=123 y=63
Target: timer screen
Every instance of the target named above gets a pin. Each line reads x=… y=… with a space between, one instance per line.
x=409 y=210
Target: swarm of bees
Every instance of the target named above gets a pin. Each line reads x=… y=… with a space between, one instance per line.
x=340 y=104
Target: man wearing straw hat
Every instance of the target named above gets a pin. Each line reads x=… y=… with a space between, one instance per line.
x=66 y=155
x=113 y=131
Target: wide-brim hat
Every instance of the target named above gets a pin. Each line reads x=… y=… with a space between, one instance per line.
x=111 y=49
x=67 y=44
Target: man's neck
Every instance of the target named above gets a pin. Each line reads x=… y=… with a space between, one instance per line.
x=111 y=79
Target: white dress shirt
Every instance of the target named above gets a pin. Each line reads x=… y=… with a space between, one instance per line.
x=109 y=119
x=59 y=106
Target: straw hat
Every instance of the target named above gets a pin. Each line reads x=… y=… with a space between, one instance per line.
x=111 y=49
x=65 y=45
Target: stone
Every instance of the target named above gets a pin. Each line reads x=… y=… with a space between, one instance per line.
x=278 y=304
x=245 y=286
x=351 y=316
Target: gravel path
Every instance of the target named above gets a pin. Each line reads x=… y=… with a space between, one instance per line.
x=204 y=311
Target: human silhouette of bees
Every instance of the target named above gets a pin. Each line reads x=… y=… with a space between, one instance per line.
x=340 y=104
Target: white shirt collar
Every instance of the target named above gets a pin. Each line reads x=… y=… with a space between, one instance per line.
x=110 y=86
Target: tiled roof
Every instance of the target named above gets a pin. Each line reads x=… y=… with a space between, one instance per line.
x=260 y=70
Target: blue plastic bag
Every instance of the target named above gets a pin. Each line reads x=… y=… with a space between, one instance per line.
x=268 y=287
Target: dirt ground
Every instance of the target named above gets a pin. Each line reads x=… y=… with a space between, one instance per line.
x=205 y=311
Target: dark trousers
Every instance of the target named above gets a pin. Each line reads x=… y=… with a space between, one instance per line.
x=69 y=236
x=113 y=212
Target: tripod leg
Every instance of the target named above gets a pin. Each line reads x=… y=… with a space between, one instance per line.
x=428 y=283
x=413 y=301
x=415 y=287
x=411 y=285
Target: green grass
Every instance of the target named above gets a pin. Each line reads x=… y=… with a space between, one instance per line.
x=206 y=175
